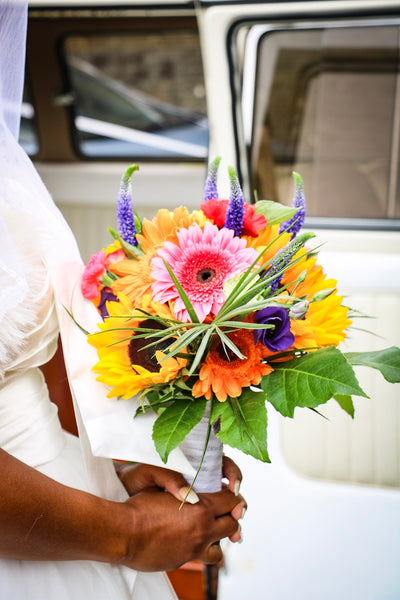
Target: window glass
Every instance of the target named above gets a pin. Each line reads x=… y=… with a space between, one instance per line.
x=28 y=136
x=138 y=95
x=325 y=106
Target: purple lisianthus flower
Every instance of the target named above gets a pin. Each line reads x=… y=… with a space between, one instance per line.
x=125 y=214
x=235 y=212
x=106 y=295
x=278 y=338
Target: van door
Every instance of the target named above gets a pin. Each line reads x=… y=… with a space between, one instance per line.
x=313 y=87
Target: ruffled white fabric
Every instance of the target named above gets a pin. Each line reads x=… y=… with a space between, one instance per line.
x=31 y=431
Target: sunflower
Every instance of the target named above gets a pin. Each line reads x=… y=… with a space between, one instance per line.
x=225 y=374
x=324 y=325
x=326 y=320
x=124 y=363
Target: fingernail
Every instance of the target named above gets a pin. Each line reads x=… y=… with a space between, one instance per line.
x=188 y=496
x=236 y=487
x=240 y=540
x=243 y=512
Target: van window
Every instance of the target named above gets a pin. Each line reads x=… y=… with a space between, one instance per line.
x=326 y=104
x=28 y=135
x=139 y=94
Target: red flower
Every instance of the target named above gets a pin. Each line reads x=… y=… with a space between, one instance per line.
x=95 y=269
x=92 y=275
x=216 y=208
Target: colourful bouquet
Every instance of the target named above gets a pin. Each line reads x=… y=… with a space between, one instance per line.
x=212 y=313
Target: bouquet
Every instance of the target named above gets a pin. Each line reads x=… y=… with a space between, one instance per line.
x=210 y=315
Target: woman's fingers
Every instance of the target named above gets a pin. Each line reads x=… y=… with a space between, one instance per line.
x=232 y=473
x=221 y=503
x=212 y=555
x=141 y=476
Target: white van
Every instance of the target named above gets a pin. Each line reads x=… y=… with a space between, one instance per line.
x=310 y=86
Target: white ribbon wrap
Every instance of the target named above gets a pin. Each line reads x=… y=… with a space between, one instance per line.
x=210 y=475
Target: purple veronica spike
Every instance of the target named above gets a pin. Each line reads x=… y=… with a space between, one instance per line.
x=210 y=187
x=282 y=259
x=279 y=337
x=125 y=215
x=294 y=224
x=276 y=266
x=235 y=212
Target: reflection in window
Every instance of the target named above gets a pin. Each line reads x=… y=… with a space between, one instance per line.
x=139 y=95
x=325 y=104
x=28 y=137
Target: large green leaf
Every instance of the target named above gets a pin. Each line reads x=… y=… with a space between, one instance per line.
x=174 y=423
x=243 y=423
x=387 y=361
x=310 y=381
x=274 y=212
x=345 y=402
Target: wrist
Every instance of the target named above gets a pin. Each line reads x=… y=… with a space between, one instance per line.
x=113 y=523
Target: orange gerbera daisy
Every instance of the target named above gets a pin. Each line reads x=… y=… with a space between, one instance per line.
x=124 y=364
x=164 y=226
x=134 y=275
x=224 y=374
x=134 y=278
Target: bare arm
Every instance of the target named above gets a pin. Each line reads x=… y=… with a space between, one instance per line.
x=41 y=519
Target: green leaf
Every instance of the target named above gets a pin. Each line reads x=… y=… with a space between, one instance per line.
x=387 y=361
x=181 y=292
x=226 y=341
x=274 y=212
x=131 y=251
x=346 y=403
x=201 y=350
x=175 y=422
x=310 y=381
x=243 y=423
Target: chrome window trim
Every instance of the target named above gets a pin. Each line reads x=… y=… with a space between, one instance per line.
x=345 y=18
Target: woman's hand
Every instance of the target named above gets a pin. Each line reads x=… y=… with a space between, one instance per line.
x=139 y=477
x=41 y=519
x=166 y=534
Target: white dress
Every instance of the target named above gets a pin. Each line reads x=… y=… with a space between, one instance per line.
x=31 y=431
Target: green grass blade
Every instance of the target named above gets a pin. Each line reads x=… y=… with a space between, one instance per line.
x=182 y=293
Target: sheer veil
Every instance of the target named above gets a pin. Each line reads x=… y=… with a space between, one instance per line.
x=12 y=63
x=106 y=428
x=21 y=188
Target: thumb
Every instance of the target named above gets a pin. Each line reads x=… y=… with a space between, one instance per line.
x=178 y=487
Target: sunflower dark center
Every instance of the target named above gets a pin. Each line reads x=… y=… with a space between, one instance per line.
x=205 y=275
x=146 y=357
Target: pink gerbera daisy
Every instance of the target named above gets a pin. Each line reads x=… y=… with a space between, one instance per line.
x=203 y=262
